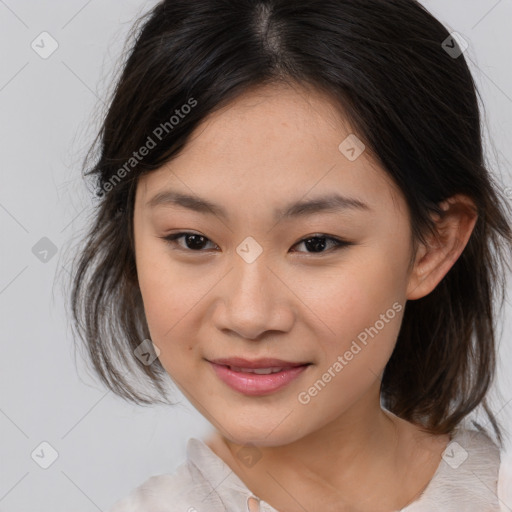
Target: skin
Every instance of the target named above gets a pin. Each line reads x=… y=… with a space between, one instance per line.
x=271 y=146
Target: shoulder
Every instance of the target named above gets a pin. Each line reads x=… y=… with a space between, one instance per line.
x=505 y=480
x=484 y=472
x=202 y=483
x=159 y=493
x=489 y=464
x=467 y=477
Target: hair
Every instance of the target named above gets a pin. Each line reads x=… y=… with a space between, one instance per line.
x=383 y=64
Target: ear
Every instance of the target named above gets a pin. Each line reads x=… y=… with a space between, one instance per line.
x=435 y=258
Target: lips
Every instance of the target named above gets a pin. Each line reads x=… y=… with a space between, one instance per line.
x=257 y=377
x=255 y=364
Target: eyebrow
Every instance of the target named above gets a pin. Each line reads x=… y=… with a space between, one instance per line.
x=330 y=203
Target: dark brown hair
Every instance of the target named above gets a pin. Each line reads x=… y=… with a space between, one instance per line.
x=386 y=65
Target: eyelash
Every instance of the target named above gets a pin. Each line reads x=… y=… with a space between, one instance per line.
x=172 y=240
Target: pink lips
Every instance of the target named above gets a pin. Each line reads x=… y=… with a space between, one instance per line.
x=256 y=384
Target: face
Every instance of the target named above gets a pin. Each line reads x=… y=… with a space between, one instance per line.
x=324 y=284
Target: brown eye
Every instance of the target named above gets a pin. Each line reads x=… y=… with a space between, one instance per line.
x=193 y=241
x=317 y=243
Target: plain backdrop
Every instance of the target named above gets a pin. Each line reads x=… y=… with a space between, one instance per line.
x=104 y=446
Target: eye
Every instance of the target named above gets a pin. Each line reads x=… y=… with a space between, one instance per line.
x=317 y=243
x=196 y=242
x=193 y=241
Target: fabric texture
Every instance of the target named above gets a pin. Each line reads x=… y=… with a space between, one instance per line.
x=473 y=476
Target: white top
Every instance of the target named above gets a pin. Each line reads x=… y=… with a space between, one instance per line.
x=472 y=476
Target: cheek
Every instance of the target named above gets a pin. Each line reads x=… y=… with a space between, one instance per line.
x=359 y=308
x=355 y=296
x=362 y=309
x=168 y=294
x=166 y=305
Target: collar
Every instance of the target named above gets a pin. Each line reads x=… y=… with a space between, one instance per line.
x=222 y=478
x=448 y=484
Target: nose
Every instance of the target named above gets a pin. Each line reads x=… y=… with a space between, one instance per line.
x=254 y=298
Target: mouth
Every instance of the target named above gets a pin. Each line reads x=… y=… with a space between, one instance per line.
x=259 y=377
x=241 y=363
x=258 y=371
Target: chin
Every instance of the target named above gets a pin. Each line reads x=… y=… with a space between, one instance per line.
x=265 y=435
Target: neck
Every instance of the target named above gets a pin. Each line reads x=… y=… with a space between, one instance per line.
x=336 y=464
x=356 y=439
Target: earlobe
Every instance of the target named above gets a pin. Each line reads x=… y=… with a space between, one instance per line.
x=435 y=259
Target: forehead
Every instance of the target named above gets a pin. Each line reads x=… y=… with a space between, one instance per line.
x=271 y=144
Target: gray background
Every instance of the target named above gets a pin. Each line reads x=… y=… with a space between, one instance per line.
x=49 y=111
